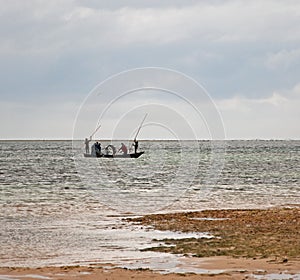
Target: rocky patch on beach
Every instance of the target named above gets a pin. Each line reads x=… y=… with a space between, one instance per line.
x=258 y=233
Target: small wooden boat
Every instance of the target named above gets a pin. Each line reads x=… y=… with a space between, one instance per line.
x=132 y=155
x=111 y=151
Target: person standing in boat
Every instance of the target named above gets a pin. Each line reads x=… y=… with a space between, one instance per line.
x=87 y=145
x=135 y=144
x=123 y=149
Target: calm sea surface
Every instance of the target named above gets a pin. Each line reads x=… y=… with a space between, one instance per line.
x=57 y=207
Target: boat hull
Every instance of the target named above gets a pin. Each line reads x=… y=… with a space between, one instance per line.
x=133 y=155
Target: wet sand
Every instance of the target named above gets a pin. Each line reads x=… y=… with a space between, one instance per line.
x=218 y=268
x=247 y=244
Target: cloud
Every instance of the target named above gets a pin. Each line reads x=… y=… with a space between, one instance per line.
x=284 y=59
x=37 y=121
x=245 y=53
x=166 y=96
x=41 y=26
x=274 y=117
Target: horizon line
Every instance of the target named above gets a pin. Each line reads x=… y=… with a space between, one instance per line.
x=157 y=139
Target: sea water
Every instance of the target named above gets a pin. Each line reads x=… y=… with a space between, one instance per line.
x=60 y=208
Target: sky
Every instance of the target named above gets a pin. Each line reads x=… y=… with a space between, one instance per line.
x=245 y=54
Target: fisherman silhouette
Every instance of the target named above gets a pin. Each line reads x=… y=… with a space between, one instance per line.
x=135 y=145
x=87 y=145
x=98 y=149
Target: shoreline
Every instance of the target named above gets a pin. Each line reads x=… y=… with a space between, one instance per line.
x=214 y=268
x=246 y=244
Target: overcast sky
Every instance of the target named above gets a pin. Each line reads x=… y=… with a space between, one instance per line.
x=246 y=54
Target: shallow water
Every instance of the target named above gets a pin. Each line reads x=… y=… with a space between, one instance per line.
x=277 y=276
x=57 y=207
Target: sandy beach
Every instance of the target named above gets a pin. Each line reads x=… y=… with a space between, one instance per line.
x=267 y=246
x=220 y=268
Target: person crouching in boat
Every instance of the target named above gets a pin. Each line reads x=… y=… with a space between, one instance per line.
x=110 y=150
x=123 y=149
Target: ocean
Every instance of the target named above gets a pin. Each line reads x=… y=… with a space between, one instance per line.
x=59 y=208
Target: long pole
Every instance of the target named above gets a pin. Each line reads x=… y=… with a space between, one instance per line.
x=95 y=131
x=140 y=127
